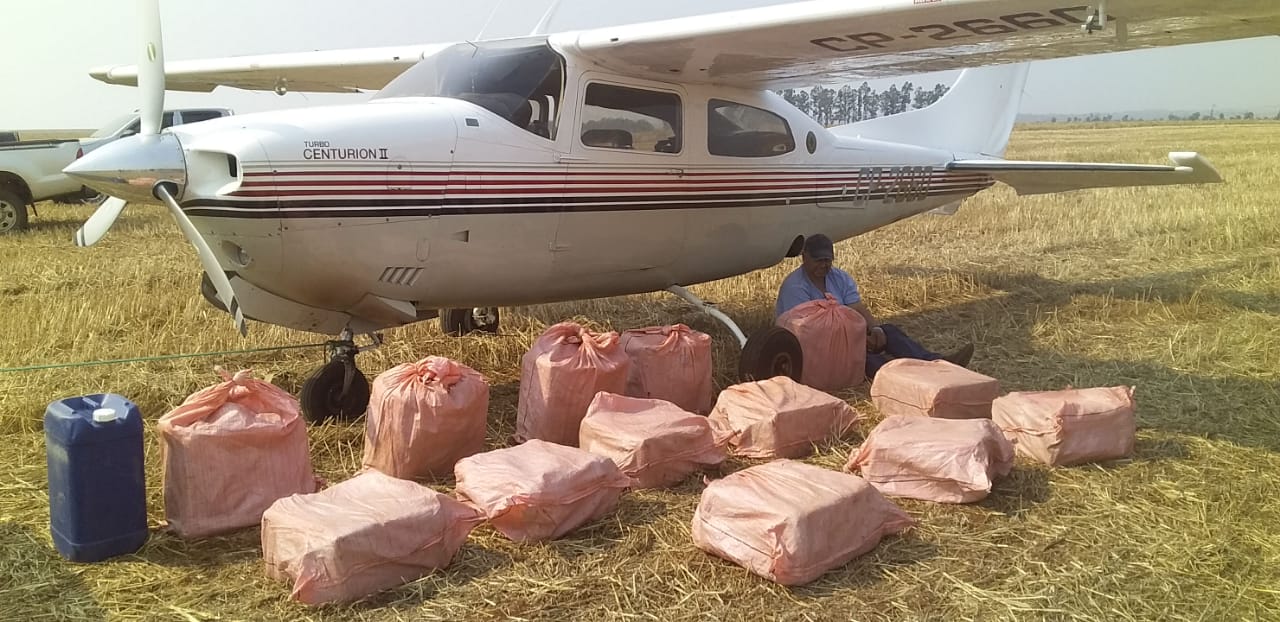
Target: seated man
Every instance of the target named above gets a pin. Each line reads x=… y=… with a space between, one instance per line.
x=816 y=277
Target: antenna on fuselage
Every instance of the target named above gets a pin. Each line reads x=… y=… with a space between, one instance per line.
x=492 y=12
x=541 y=27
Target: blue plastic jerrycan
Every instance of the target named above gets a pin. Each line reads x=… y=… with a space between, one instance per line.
x=97 y=492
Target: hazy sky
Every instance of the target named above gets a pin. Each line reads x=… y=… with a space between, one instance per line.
x=49 y=45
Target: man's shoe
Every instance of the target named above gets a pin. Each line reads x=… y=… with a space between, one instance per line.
x=960 y=357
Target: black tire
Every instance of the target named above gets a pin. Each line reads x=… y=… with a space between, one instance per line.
x=90 y=197
x=13 y=211
x=210 y=292
x=322 y=397
x=458 y=322
x=770 y=352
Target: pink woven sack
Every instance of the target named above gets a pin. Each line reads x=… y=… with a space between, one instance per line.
x=790 y=522
x=423 y=417
x=560 y=375
x=1065 y=428
x=943 y=460
x=540 y=490
x=934 y=389
x=229 y=451
x=777 y=418
x=367 y=534
x=652 y=441
x=834 y=338
x=671 y=363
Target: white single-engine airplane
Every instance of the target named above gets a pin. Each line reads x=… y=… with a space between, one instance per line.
x=603 y=162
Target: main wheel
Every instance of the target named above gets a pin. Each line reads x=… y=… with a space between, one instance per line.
x=458 y=322
x=322 y=397
x=89 y=196
x=770 y=352
x=13 y=211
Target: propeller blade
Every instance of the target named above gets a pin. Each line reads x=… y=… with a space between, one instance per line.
x=96 y=227
x=151 y=66
x=221 y=283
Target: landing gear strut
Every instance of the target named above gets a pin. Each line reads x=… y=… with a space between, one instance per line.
x=771 y=351
x=338 y=389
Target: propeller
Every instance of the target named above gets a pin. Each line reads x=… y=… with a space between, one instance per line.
x=93 y=229
x=151 y=85
x=149 y=160
x=221 y=283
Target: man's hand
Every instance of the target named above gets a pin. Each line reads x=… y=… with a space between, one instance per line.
x=875 y=339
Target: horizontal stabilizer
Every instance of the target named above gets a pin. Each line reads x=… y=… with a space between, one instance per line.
x=1049 y=177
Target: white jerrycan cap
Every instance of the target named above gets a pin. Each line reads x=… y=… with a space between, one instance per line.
x=104 y=415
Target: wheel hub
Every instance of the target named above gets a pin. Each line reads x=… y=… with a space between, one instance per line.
x=484 y=316
x=8 y=215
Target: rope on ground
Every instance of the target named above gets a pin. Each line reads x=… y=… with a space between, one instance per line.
x=146 y=359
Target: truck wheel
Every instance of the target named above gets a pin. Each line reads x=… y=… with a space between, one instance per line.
x=13 y=212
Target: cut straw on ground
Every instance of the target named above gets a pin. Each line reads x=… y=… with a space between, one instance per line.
x=1175 y=291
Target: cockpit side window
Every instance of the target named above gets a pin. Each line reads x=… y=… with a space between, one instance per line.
x=523 y=84
x=744 y=131
x=622 y=117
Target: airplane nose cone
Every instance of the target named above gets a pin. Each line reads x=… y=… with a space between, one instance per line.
x=129 y=168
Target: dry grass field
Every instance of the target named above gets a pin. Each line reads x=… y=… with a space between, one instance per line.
x=1174 y=291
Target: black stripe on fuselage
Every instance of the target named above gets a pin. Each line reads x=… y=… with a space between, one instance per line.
x=521 y=204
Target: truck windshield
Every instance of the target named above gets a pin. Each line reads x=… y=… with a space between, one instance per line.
x=519 y=81
x=113 y=126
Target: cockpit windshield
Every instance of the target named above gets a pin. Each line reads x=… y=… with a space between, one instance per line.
x=519 y=81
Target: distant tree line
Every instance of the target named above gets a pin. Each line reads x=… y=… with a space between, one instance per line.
x=849 y=104
x=1195 y=116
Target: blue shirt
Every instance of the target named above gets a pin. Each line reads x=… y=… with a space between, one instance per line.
x=797 y=289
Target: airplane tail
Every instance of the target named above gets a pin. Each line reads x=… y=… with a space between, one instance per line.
x=975 y=117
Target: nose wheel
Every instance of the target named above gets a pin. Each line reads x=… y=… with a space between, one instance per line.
x=338 y=389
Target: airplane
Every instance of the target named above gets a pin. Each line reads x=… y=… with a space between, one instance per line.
x=601 y=162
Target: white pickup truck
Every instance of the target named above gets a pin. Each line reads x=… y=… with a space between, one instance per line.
x=31 y=171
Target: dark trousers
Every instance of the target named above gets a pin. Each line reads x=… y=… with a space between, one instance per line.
x=897 y=345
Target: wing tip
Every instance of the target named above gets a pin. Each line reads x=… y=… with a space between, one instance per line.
x=1198 y=167
x=115 y=74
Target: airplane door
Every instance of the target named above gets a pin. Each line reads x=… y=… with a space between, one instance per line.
x=503 y=198
x=622 y=225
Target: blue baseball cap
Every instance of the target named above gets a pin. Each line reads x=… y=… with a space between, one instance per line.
x=819 y=246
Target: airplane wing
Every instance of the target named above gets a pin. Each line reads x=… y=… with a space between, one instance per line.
x=1049 y=177
x=331 y=71
x=827 y=41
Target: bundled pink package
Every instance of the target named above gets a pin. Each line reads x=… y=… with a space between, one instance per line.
x=540 y=490
x=934 y=389
x=777 y=418
x=423 y=417
x=671 y=363
x=790 y=522
x=834 y=338
x=652 y=441
x=943 y=460
x=1075 y=426
x=367 y=534
x=229 y=451
x=560 y=375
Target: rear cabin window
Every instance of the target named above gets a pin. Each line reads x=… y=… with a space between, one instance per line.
x=743 y=131
x=196 y=116
x=621 y=117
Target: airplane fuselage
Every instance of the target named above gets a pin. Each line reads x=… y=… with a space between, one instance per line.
x=377 y=214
